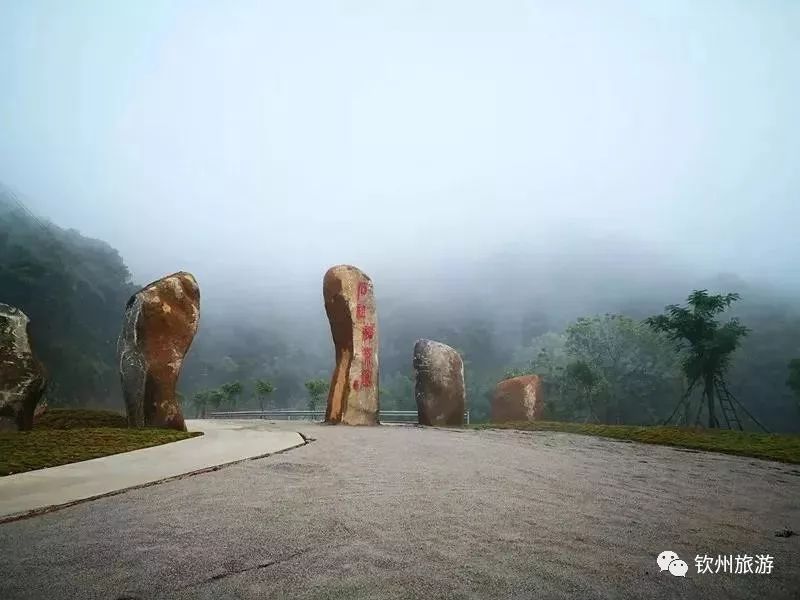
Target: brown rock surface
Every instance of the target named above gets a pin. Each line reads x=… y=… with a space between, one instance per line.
x=518 y=399
x=159 y=326
x=439 y=388
x=22 y=377
x=350 y=306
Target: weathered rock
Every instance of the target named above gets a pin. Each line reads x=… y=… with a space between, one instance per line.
x=159 y=325
x=350 y=305
x=22 y=377
x=518 y=399
x=439 y=388
x=41 y=408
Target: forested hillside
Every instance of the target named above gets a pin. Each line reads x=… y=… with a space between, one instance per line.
x=73 y=289
x=576 y=319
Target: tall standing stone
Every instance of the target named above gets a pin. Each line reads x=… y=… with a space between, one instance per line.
x=439 y=388
x=350 y=306
x=159 y=325
x=22 y=377
x=518 y=399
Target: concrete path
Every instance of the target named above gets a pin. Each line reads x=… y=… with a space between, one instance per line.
x=223 y=443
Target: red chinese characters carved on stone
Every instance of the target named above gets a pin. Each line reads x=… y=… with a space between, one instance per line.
x=363 y=288
x=368 y=332
x=361 y=311
x=367 y=355
x=366 y=377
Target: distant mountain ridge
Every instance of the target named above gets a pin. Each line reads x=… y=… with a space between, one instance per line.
x=73 y=289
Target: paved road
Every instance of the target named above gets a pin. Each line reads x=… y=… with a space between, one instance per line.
x=406 y=512
x=222 y=442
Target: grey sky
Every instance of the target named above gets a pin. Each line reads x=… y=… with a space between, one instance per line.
x=278 y=138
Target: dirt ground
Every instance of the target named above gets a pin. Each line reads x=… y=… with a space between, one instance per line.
x=409 y=512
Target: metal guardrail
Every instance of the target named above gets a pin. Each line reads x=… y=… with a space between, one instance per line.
x=386 y=416
x=281 y=414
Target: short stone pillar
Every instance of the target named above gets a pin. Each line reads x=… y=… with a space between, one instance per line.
x=439 y=388
x=518 y=399
x=22 y=376
x=353 y=397
x=159 y=325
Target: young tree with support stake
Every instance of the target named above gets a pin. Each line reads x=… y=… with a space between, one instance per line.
x=707 y=346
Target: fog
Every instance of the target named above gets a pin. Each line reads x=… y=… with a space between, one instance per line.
x=256 y=144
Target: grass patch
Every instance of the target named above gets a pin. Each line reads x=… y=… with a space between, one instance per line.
x=75 y=418
x=770 y=446
x=63 y=436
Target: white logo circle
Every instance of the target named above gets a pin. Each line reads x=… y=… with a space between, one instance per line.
x=678 y=567
x=666 y=557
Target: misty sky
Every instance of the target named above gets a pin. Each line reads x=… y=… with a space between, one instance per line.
x=274 y=139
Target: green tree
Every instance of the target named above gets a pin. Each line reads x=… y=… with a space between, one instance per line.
x=232 y=392
x=216 y=398
x=263 y=390
x=588 y=386
x=550 y=363
x=201 y=400
x=316 y=388
x=621 y=370
x=705 y=345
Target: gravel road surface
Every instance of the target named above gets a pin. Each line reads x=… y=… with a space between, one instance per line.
x=409 y=512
